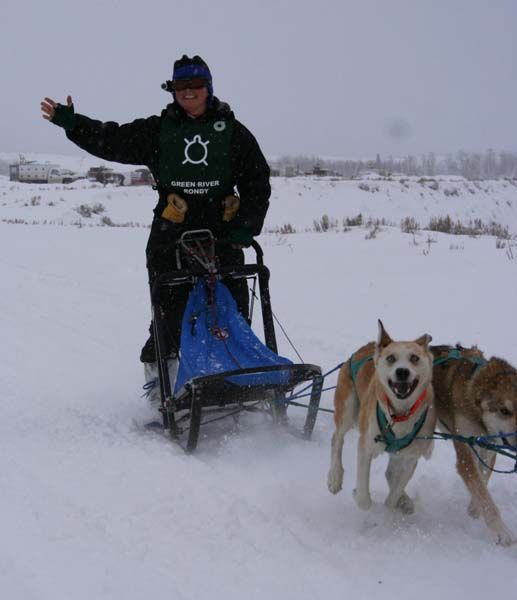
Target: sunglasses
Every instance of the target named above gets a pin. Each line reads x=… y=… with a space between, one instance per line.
x=192 y=84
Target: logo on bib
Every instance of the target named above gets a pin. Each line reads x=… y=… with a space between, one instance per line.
x=199 y=157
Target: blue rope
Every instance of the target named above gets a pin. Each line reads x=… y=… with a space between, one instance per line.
x=514 y=470
x=300 y=394
x=327 y=410
x=149 y=387
x=504 y=449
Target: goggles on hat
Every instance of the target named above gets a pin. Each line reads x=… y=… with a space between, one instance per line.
x=193 y=84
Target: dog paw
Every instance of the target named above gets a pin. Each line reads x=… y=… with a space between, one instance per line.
x=405 y=504
x=504 y=537
x=473 y=510
x=363 y=501
x=335 y=480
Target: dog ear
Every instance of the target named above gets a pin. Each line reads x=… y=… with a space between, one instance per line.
x=424 y=340
x=383 y=339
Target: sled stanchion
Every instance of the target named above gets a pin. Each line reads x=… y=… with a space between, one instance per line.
x=265 y=298
x=163 y=373
x=314 y=404
x=195 y=417
x=267 y=314
x=279 y=408
x=161 y=361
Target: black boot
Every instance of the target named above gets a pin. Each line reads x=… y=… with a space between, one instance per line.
x=148 y=353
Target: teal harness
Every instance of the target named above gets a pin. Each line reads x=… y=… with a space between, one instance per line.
x=394 y=443
x=455 y=354
x=355 y=367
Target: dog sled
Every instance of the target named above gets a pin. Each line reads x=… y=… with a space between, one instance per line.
x=224 y=369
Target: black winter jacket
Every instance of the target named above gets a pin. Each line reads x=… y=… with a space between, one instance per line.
x=137 y=143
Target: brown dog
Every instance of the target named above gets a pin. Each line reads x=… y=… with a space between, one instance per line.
x=476 y=397
x=386 y=388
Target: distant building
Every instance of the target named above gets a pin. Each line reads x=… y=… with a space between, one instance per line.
x=105 y=175
x=320 y=172
x=141 y=177
x=33 y=172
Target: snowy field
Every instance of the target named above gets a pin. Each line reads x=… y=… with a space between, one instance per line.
x=94 y=506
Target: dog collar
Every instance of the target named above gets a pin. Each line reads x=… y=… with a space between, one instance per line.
x=400 y=418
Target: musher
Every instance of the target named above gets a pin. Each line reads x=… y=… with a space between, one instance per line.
x=209 y=172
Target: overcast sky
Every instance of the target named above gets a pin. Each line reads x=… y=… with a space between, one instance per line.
x=346 y=78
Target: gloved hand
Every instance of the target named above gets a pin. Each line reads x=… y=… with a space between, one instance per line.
x=176 y=209
x=231 y=206
x=240 y=238
x=64 y=116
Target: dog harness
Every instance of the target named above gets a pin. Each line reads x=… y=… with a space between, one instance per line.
x=387 y=436
x=355 y=366
x=455 y=354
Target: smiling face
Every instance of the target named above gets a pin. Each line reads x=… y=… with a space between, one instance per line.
x=193 y=100
x=402 y=366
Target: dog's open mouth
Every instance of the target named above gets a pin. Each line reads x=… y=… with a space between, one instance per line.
x=403 y=389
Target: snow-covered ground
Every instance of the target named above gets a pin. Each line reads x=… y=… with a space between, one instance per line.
x=94 y=506
x=296 y=201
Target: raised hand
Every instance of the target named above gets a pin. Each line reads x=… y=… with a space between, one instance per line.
x=59 y=114
x=48 y=107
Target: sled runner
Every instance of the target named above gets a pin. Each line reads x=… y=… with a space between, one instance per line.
x=223 y=367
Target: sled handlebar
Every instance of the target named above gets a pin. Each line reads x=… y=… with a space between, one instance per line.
x=254 y=244
x=200 y=237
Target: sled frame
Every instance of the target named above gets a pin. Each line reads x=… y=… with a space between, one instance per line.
x=217 y=392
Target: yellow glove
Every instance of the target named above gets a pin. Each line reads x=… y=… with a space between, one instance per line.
x=231 y=206
x=175 y=209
